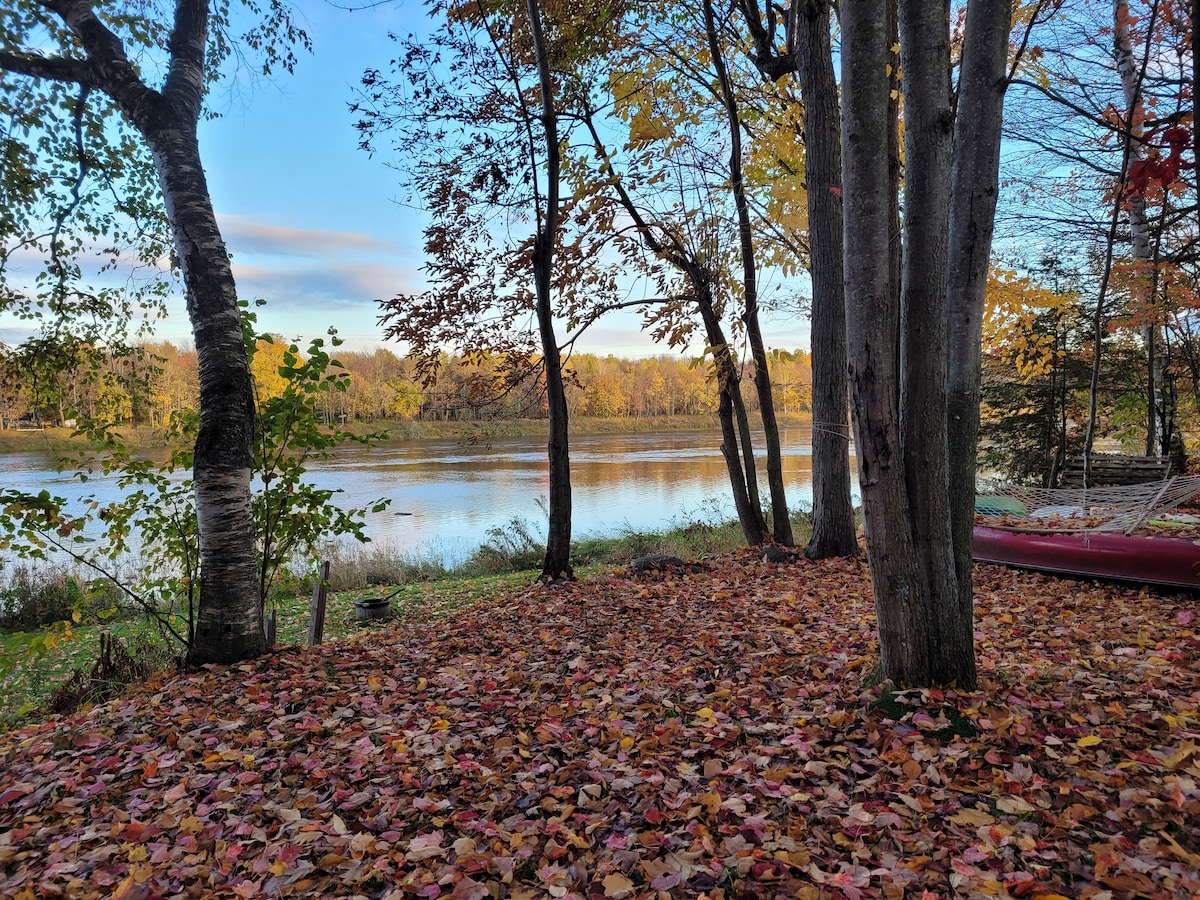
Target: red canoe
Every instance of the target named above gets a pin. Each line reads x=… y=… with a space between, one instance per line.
x=1145 y=559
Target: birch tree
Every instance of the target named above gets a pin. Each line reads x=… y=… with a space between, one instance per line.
x=46 y=44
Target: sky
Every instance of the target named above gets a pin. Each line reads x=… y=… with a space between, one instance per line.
x=312 y=222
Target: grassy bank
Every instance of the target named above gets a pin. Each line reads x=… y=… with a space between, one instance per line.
x=419 y=590
x=59 y=440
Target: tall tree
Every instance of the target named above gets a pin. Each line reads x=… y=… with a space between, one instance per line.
x=781 y=525
x=479 y=113
x=902 y=422
x=92 y=54
x=798 y=41
x=676 y=244
x=557 y=563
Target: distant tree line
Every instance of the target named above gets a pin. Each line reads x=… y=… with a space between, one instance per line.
x=145 y=384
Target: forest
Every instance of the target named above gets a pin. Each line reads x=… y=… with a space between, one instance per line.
x=381 y=386
x=987 y=211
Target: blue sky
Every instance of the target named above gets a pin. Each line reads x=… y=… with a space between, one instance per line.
x=311 y=220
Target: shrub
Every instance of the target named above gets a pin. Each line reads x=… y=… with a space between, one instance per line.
x=32 y=599
x=511 y=547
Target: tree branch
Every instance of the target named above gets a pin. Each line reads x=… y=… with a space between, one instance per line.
x=51 y=68
x=107 y=63
x=185 y=77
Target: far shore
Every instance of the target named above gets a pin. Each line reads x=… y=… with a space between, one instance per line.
x=57 y=440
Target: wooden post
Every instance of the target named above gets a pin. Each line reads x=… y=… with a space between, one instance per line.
x=316 y=616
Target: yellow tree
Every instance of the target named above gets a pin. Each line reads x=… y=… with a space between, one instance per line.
x=269 y=382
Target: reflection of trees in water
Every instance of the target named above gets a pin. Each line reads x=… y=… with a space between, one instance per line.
x=456 y=493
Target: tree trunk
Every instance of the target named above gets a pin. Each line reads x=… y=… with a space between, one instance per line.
x=731 y=411
x=833 y=532
x=928 y=145
x=1195 y=89
x=974 y=191
x=735 y=425
x=1139 y=229
x=808 y=53
x=556 y=566
x=897 y=581
x=895 y=247
x=229 y=619
x=781 y=524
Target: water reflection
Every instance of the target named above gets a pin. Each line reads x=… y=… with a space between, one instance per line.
x=446 y=495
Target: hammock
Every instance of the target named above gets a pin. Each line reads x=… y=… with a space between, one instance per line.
x=1123 y=508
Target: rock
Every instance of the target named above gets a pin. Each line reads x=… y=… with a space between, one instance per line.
x=774 y=553
x=657 y=562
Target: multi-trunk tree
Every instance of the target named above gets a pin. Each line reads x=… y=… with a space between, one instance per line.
x=916 y=404
x=104 y=56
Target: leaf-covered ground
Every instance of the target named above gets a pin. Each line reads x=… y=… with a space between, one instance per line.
x=702 y=734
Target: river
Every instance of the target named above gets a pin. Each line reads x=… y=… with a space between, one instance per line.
x=446 y=495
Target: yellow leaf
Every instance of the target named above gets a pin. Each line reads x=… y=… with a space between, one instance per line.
x=617 y=885
x=1179 y=757
x=705 y=713
x=1090 y=741
x=626 y=743
x=1013 y=805
x=972 y=817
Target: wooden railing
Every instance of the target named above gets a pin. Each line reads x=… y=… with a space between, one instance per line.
x=1116 y=468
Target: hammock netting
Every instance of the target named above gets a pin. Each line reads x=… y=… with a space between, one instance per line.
x=1125 y=508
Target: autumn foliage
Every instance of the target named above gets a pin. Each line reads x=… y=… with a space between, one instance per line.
x=684 y=734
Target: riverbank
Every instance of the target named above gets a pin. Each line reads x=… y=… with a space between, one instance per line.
x=36 y=665
x=63 y=440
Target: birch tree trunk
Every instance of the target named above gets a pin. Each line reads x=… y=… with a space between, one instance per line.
x=1140 y=240
x=229 y=621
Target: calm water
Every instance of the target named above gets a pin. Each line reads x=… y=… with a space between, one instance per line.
x=446 y=495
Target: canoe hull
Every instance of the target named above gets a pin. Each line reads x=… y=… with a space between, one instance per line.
x=1144 y=559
